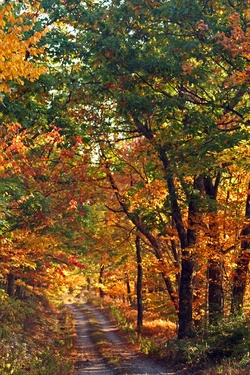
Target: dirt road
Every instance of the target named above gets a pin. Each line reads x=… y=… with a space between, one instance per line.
x=124 y=359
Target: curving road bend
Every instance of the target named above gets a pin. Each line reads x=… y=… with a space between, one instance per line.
x=130 y=362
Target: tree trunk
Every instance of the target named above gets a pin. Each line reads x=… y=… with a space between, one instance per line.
x=186 y=284
x=128 y=290
x=101 y=291
x=186 y=297
x=19 y=292
x=139 y=285
x=241 y=271
x=240 y=281
x=215 y=266
x=88 y=284
x=215 y=291
x=215 y=274
x=10 y=285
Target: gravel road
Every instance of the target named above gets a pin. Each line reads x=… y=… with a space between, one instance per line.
x=128 y=361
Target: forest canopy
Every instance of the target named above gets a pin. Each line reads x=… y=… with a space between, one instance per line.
x=124 y=145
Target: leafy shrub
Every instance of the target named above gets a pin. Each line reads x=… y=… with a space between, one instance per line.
x=148 y=346
x=121 y=319
x=229 y=338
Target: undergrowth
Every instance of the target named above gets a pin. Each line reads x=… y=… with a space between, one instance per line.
x=146 y=345
x=35 y=337
x=223 y=348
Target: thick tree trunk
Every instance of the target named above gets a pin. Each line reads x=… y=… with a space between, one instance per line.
x=240 y=281
x=10 y=285
x=186 y=284
x=215 y=291
x=186 y=297
x=139 y=285
x=215 y=274
x=241 y=271
x=215 y=265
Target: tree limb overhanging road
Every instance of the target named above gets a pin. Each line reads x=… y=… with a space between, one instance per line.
x=122 y=360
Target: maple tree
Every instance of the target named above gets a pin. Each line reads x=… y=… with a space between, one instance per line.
x=18 y=48
x=38 y=192
x=163 y=73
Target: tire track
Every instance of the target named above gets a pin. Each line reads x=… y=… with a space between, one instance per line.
x=92 y=363
x=124 y=360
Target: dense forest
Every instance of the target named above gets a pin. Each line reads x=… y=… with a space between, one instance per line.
x=124 y=148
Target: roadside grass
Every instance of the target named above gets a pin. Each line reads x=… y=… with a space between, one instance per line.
x=36 y=337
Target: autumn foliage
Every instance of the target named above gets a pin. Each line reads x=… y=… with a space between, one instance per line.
x=124 y=155
x=16 y=50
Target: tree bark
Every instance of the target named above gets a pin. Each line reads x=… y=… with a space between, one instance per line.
x=139 y=285
x=101 y=291
x=215 y=265
x=215 y=275
x=10 y=285
x=241 y=270
x=128 y=290
x=185 y=315
x=186 y=286
x=215 y=291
